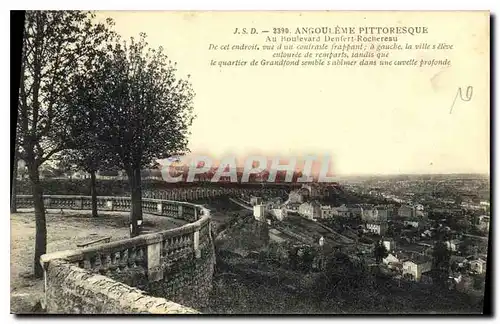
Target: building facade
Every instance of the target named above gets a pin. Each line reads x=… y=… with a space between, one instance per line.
x=279 y=213
x=389 y=244
x=259 y=212
x=411 y=222
x=406 y=211
x=377 y=228
x=478 y=266
x=414 y=268
x=453 y=245
x=328 y=212
x=310 y=210
x=343 y=211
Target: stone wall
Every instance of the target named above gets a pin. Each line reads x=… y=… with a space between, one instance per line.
x=175 y=264
x=175 y=269
x=72 y=290
x=189 y=281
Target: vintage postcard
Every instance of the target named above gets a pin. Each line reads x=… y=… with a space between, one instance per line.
x=315 y=162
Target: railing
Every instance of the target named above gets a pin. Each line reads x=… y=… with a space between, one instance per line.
x=189 y=194
x=178 y=194
x=175 y=209
x=130 y=253
x=144 y=256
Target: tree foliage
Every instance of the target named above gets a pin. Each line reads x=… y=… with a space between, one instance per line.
x=136 y=107
x=342 y=274
x=56 y=45
x=441 y=262
x=380 y=252
x=143 y=110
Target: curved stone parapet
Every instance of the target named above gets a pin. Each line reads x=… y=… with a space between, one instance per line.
x=73 y=290
x=175 y=266
x=160 y=207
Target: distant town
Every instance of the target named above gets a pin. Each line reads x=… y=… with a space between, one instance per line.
x=406 y=214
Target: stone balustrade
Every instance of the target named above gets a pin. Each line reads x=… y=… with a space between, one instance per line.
x=175 y=264
x=190 y=194
x=175 y=209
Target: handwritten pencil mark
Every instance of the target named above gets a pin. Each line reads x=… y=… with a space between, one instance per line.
x=468 y=96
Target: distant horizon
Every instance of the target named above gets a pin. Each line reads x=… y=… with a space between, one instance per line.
x=351 y=174
x=357 y=174
x=375 y=120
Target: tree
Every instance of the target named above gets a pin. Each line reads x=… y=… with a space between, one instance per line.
x=441 y=262
x=90 y=157
x=308 y=259
x=342 y=275
x=380 y=252
x=13 y=188
x=56 y=44
x=468 y=247
x=142 y=111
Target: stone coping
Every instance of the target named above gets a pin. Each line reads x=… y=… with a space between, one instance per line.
x=141 y=240
x=129 y=298
x=176 y=202
x=120 y=298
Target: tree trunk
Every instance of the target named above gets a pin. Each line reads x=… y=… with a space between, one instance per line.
x=134 y=177
x=13 y=193
x=41 y=227
x=93 y=193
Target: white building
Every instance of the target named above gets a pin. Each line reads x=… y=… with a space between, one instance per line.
x=79 y=175
x=310 y=210
x=255 y=201
x=328 y=212
x=483 y=223
x=453 y=245
x=377 y=228
x=389 y=244
x=392 y=260
x=259 y=212
x=406 y=211
x=411 y=222
x=369 y=215
x=416 y=266
x=376 y=214
x=279 y=213
x=484 y=203
x=343 y=211
x=356 y=211
x=299 y=195
x=478 y=266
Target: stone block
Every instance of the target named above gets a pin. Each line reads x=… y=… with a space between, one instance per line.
x=155 y=272
x=196 y=244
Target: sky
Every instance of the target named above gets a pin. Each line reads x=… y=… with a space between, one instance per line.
x=370 y=120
